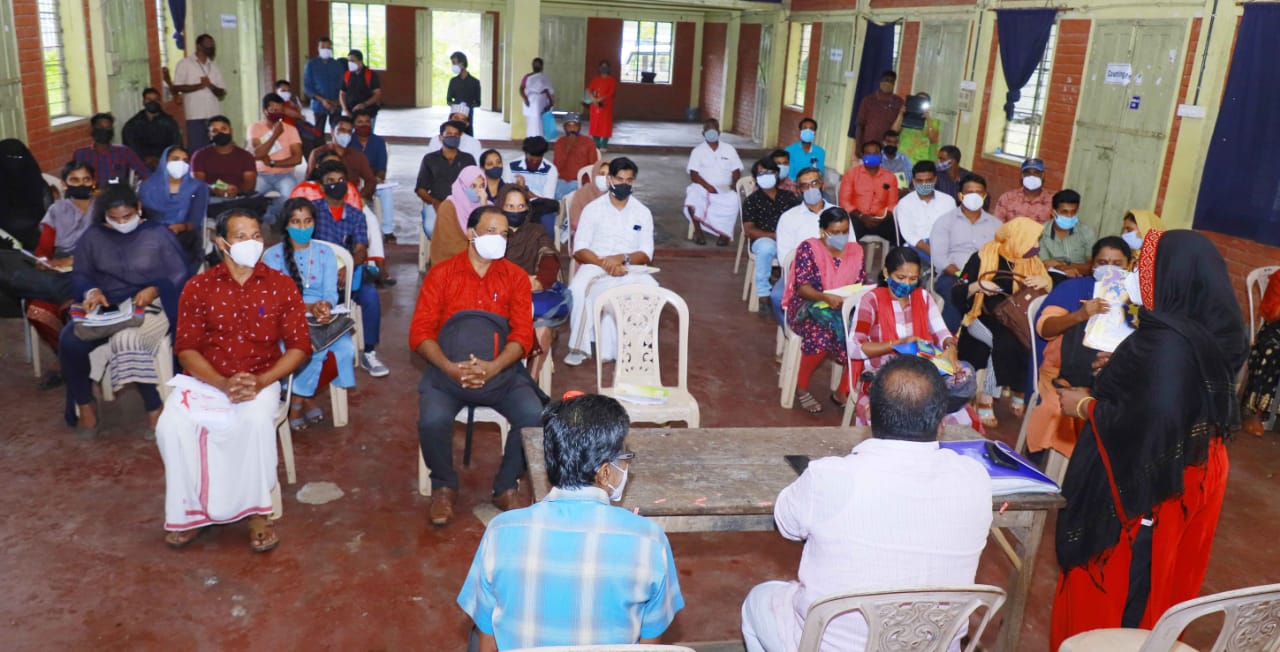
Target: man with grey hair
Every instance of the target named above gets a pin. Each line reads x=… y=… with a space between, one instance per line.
x=898 y=511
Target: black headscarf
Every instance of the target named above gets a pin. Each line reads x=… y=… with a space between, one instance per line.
x=1165 y=394
x=24 y=195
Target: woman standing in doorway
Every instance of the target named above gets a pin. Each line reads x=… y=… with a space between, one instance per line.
x=601 y=91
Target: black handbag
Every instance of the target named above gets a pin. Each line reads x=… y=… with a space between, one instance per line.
x=324 y=335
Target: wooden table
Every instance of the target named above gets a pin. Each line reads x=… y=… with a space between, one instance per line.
x=726 y=479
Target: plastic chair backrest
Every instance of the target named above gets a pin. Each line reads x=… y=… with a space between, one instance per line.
x=348 y=266
x=637 y=311
x=1251 y=620
x=1258 y=277
x=1032 y=311
x=849 y=312
x=746 y=186
x=585 y=171
x=785 y=263
x=831 y=181
x=637 y=647
x=925 y=619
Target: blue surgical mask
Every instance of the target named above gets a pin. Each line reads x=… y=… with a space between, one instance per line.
x=807 y=135
x=812 y=196
x=471 y=193
x=711 y=136
x=1132 y=239
x=924 y=189
x=900 y=289
x=838 y=240
x=301 y=235
x=943 y=166
x=342 y=138
x=1064 y=222
x=872 y=160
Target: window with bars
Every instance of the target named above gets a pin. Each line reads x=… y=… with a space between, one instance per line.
x=647 y=47
x=1022 y=133
x=897 y=50
x=362 y=27
x=799 y=67
x=54 y=59
x=162 y=27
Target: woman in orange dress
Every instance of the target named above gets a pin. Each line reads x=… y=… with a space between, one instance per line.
x=602 y=89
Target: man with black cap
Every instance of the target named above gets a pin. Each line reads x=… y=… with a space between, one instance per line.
x=573 y=152
x=1030 y=200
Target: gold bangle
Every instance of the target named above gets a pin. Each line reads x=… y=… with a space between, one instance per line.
x=1079 y=412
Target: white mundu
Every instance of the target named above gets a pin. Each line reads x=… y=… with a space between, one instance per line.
x=606 y=231
x=717 y=212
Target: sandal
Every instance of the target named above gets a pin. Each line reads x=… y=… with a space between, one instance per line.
x=839 y=403
x=182 y=539
x=722 y=241
x=314 y=415
x=298 y=422
x=987 y=416
x=1018 y=406
x=262 y=534
x=808 y=403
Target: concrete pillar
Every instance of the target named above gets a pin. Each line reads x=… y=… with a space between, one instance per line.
x=777 y=67
x=729 y=96
x=521 y=24
x=280 y=20
x=695 y=85
x=306 y=47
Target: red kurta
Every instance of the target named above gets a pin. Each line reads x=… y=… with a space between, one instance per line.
x=604 y=88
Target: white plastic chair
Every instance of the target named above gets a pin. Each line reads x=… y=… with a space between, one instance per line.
x=925 y=619
x=56 y=183
x=849 y=310
x=788 y=342
x=32 y=340
x=746 y=186
x=1032 y=310
x=1251 y=622
x=285 y=433
x=637 y=311
x=1258 y=278
x=562 y=220
x=637 y=647
x=338 y=395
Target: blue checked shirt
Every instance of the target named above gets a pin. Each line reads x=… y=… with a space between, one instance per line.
x=349 y=231
x=572 y=570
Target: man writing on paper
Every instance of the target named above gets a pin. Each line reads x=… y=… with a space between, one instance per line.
x=233 y=322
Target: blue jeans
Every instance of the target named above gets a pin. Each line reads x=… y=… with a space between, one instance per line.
x=775 y=298
x=386 y=202
x=548 y=222
x=765 y=251
x=371 y=312
x=951 y=313
x=564 y=187
x=281 y=182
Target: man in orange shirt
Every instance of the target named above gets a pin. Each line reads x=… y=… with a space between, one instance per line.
x=573 y=152
x=870 y=194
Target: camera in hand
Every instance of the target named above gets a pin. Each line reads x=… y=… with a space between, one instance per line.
x=914 y=116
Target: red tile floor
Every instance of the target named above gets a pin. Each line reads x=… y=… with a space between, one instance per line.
x=84 y=566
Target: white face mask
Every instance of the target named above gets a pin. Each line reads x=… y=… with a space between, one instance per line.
x=1132 y=239
x=784 y=169
x=326 y=53
x=456 y=69
x=342 y=138
x=1032 y=183
x=767 y=181
x=285 y=95
x=972 y=201
x=126 y=227
x=491 y=246
x=602 y=184
x=615 y=493
x=1133 y=288
x=246 y=253
x=353 y=66
x=177 y=169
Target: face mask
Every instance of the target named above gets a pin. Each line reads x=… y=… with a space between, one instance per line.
x=326 y=53
x=221 y=139
x=246 y=253
x=126 y=227
x=336 y=190
x=79 y=192
x=1103 y=270
x=807 y=135
x=285 y=95
x=784 y=169
x=152 y=107
x=516 y=218
x=604 y=70
x=621 y=191
x=602 y=184
x=177 y=169
x=1133 y=288
x=891 y=150
x=301 y=235
x=1064 y=222
x=943 y=166
x=924 y=189
x=838 y=240
x=491 y=246
x=353 y=66
x=457 y=70
x=972 y=201
x=812 y=196
x=471 y=194
x=900 y=289
x=767 y=181
x=1132 y=239
x=872 y=160
x=493 y=173
x=274 y=116
x=364 y=131
x=211 y=52
x=711 y=136
x=1032 y=182
x=342 y=138
x=451 y=142
x=615 y=493
x=103 y=136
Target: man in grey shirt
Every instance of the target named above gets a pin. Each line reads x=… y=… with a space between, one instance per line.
x=955 y=237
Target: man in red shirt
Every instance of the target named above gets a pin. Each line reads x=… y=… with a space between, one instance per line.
x=573 y=152
x=870 y=194
x=217 y=432
x=878 y=111
x=482 y=284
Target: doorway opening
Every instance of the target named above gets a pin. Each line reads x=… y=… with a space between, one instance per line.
x=454 y=31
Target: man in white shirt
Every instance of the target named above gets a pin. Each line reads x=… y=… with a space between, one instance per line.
x=797 y=225
x=918 y=210
x=614 y=233
x=469 y=144
x=539 y=96
x=539 y=176
x=199 y=81
x=711 y=200
x=898 y=511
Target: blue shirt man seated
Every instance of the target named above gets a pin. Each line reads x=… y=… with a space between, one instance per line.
x=535 y=564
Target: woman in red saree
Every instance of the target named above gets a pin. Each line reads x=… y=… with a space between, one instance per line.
x=1146 y=481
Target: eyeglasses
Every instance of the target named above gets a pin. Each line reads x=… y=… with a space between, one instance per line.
x=811 y=184
x=624 y=456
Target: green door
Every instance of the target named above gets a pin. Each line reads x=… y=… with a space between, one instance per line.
x=12 y=124
x=939 y=70
x=236 y=28
x=836 y=52
x=128 y=69
x=565 y=63
x=763 y=62
x=1122 y=128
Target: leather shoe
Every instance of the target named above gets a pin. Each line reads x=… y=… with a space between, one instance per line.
x=442 y=501
x=507 y=500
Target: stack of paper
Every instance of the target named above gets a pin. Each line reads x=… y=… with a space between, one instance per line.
x=641 y=394
x=100 y=317
x=1107 y=330
x=844 y=291
x=1026 y=479
x=642 y=269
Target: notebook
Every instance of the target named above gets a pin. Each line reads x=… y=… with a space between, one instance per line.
x=1026 y=479
x=929 y=352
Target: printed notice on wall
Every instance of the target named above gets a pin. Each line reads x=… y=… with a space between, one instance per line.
x=228 y=21
x=836 y=54
x=1119 y=74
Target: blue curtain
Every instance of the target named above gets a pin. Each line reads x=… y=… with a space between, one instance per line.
x=877 y=57
x=178 y=10
x=1023 y=33
x=1240 y=187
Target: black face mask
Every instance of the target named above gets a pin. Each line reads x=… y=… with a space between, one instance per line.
x=516 y=218
x=79 y=192
x=621 y=191
x=336 y=190
x=221 y=139
x=493 y=173
x=152 y=107
x=891 y=150
x=103 y=136
x=211 y=51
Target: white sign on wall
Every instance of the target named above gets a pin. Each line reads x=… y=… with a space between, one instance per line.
x=836 y=54
x=1119 y=74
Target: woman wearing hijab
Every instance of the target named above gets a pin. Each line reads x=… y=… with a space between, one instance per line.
x=450 y=236
x=24 y=195
x=999 y=269
x=1146 y=481
x=530 y=247
x=1137 y=224
x=590 y=188
x=822 y=264
x=179 y=201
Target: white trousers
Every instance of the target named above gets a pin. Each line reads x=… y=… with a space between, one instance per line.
x=715 y=212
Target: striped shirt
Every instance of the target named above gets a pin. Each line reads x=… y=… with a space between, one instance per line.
x=572 y=570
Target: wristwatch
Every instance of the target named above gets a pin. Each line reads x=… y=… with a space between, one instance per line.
x=626 y=259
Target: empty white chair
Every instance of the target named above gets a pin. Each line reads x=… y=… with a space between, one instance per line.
x=1251 y=622
x=637 y=311
x=338 y=395
x=746 y=186
x=925 y=619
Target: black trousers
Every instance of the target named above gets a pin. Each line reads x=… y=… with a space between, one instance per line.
x=437 y=409
x=20 y=279
x=886 y=229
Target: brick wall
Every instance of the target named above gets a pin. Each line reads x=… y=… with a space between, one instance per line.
x=713 y=42
x=1242 y=256
x=789 y=129
x=1177 y=121
x=637 y=101
x=744 y=108
x=51 y=146
x=907 y=58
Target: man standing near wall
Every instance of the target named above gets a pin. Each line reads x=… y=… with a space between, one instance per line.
x=538 y=96
x=150 y=131
x=199 y=80
x=879 y=110
x=463 y=89
x=361 y=88
x=321 y=81
x=805 y=153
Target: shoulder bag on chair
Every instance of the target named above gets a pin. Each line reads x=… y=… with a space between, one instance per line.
x=324 y=335
x=1012 y=312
